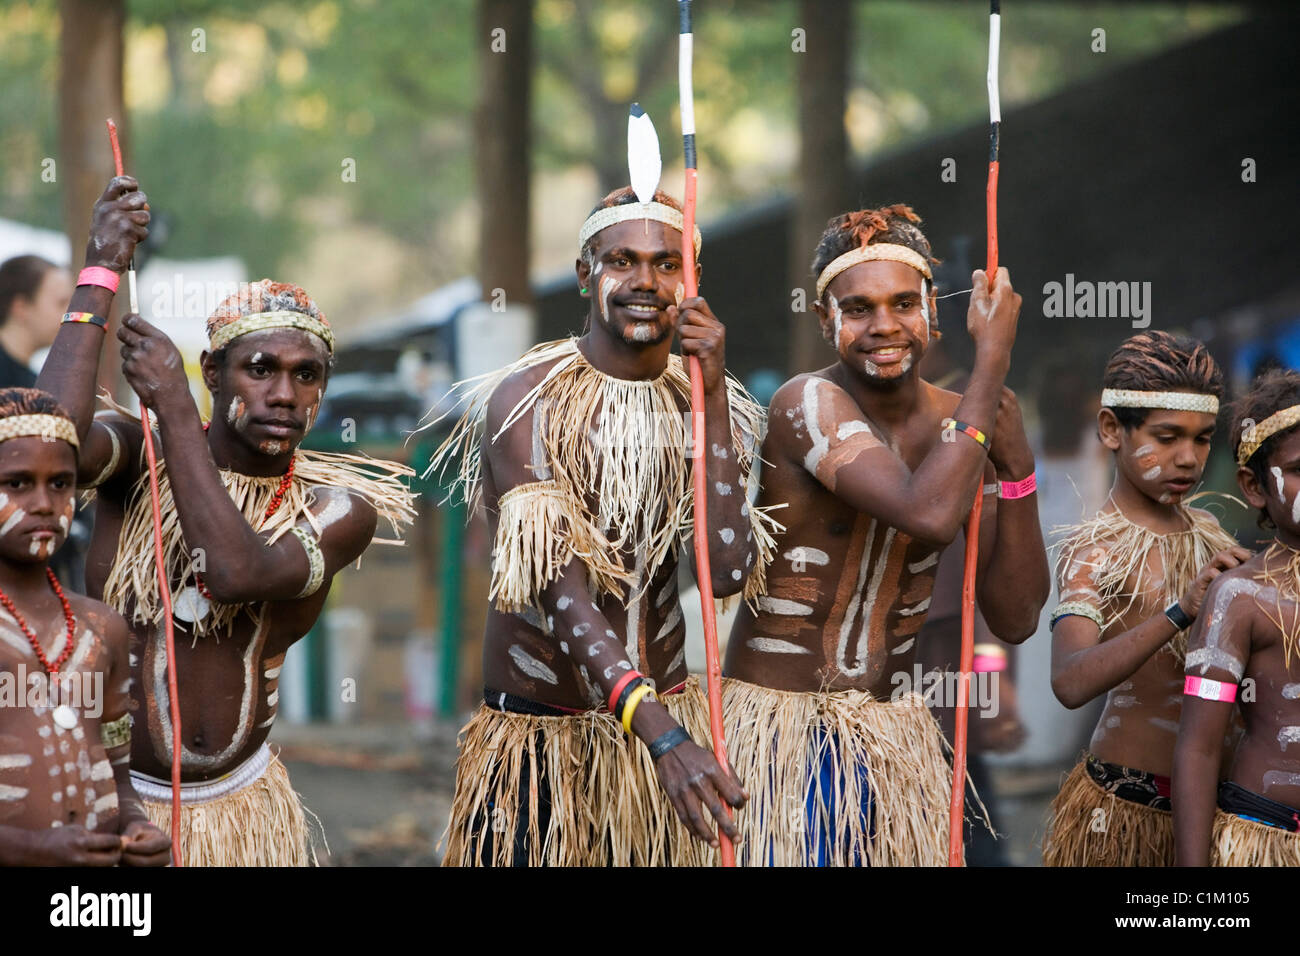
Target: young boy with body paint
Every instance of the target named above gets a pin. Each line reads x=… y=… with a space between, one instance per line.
x=846 y=767
x=1132 y=580
x=66 y=797
x=1242 y=659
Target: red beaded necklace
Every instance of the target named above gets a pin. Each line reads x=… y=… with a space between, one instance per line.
x=31 y=638
x=276 y=501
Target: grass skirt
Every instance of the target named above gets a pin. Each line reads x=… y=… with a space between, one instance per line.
x=606 y=805
x=1091 y=827
x=1238 y=842
x=803 y=757
x=261 y=823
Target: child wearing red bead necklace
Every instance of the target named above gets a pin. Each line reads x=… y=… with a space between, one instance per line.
x=66 y=797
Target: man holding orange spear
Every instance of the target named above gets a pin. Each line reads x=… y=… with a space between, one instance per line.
x=824 y=723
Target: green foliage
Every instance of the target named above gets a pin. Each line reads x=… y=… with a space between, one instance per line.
x=243 y=143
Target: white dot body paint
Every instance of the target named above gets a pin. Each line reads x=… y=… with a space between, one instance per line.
x=1291 y=691
x=727 y=535
x=737 y=574
x=563 y=603
x=1277 y=477
x=723 y=488
x=719 y=452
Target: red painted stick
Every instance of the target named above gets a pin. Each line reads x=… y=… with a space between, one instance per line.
x=956 y=809
x=164 y=586
x=703 y=572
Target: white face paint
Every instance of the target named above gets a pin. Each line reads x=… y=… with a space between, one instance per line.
x=607 y=286
x=1277 y=477
x=837 y=316
x=679 y=293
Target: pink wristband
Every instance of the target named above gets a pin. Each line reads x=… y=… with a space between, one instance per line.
x=1207 y=689
x=98 y=275
x=1018 y=489
x=987 y=664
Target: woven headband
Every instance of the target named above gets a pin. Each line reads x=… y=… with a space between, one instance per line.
x=610 y=215
x=869 y=253
x=260 y=321
x=1255 y=436
x=1175 y=401
x=39 y=426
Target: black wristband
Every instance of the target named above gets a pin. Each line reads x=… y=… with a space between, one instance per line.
x=623 y=695
x=1178 y=616
x=668 y=741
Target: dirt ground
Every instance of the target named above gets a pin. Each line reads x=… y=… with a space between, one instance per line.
x=383 y=792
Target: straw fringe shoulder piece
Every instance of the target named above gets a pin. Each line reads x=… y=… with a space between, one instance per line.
x=132 y=585
x=607 y=806
x=1091 y=827
x=1126 y=545
x=617 y=452
x=1238 y=842
x=890 y=751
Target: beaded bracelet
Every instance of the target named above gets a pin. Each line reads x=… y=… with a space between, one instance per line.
x=669 y=740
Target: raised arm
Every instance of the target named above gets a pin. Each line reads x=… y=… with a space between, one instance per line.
x=1218 y=649
x=120 y=221
x=241 y=565
x=553 y=578
x=826 y=436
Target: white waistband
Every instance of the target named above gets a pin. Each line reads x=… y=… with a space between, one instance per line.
x=160 y=791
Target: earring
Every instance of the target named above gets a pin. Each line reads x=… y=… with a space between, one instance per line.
x=583 y=290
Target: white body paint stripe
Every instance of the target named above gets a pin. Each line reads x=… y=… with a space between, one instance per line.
x=807 y=555
x=924 y=563
x=909 y=611
x=13 y=761
x=772 y=645
x=781 y=606
x=531 y=665
x=12 y=793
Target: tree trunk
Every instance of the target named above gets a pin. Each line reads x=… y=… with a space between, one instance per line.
x=90 y=91
x=503 y=148
x=824 y=188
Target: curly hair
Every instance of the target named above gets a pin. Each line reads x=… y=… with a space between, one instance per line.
x=894 y=224
x=263 y=295
x=1160 y=362
x=1271 y=392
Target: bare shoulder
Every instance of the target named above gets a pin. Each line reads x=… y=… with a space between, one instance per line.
x=943 y=401
x=512 y=390
x=344 y=509
x=108 y=625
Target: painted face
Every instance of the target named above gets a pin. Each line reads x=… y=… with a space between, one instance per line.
x=636 y=277
x=1164 y=456
x=37 y=481
x=874 y=317
x=1281 y=490
x=270 y=389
